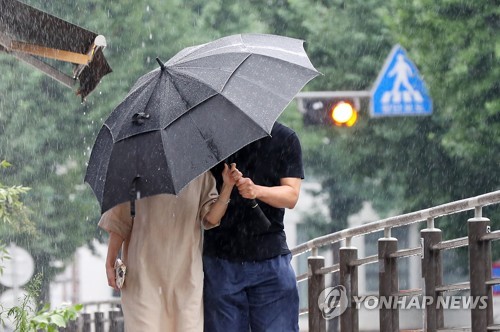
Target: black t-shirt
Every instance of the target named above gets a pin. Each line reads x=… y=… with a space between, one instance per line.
x=265 y=161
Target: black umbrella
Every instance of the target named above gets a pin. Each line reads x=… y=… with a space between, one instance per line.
x=201 y=106
x=32 y=35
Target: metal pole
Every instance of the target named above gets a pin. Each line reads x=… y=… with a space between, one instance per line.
x=334 y=94
x=388 y=284
x=348 y=276
x=433 y=277
x=480 y=272
x=316 y=285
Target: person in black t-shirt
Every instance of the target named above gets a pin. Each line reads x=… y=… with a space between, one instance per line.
x=249 y=281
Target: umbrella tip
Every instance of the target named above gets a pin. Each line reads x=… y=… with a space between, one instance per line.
x=162 y=66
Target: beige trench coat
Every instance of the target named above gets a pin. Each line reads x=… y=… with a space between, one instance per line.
x=164 y=283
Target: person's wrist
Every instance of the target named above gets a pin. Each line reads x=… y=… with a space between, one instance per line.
x=226 y=188
x=256 y=192
x=224 y=201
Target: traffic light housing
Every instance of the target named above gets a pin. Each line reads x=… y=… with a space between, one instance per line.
x=341 y=112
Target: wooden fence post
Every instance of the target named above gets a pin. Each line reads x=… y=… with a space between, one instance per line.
x=99 y=321
x=480 y=272
x=348 y=276
x=87 y=321
x=433 y=277
x=316 y=285
x=388 y=284
x=116 y=321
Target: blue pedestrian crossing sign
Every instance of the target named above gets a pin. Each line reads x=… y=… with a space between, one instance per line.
x=399 y=90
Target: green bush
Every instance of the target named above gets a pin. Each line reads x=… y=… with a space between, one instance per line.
x=27 y=319
x=25 y=316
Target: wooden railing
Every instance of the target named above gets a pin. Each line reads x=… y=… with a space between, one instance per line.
x=430 y=251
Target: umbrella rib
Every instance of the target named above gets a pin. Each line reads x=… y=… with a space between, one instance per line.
x=183 y=100
x=246 y=80
x=202 y=54
x=178 y=92
x=233 y=71
x=214 y=68
x=138 y=87
x=265 y=133
x=182 y=73
x=128 y=95
x=153 y=90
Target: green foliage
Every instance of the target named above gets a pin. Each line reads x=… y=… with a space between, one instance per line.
x=12 y=210
x=13 y=213
x=407 y=163
x=27 y=319
x=51 y=320
x=227 y=17
x=10 y=204
x=4 y=255
x=462 y=72
x=459 y=143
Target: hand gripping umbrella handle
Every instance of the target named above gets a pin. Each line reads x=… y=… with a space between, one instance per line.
x=262 y=223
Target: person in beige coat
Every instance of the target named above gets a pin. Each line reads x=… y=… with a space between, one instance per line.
x=161 y=248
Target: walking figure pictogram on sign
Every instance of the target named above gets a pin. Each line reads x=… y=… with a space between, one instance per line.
x=399 y=90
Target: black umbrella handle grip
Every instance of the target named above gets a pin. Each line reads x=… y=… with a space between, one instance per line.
x=262 y=223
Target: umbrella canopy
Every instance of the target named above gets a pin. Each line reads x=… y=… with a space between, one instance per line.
x=29 y=33
x=201 y=106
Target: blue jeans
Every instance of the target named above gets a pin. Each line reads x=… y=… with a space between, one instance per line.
x=258 y=296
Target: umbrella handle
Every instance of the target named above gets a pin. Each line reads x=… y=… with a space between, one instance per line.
x=134 y=195
x=262 y=223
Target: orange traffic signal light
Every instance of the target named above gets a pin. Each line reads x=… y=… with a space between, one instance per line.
x=343 y=113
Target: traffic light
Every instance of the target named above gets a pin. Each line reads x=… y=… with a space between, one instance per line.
x=341 y=112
